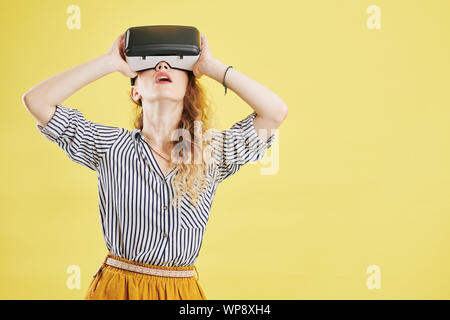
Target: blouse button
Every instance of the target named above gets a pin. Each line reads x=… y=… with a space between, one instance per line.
x=165 y=207
x=165 y=235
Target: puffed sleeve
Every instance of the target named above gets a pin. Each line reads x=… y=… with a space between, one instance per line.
x=237 y=146
x=84 y=142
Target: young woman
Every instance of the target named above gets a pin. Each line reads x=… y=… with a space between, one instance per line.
x=155 y=188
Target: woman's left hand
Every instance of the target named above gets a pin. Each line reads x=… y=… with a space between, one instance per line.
x=201 y=66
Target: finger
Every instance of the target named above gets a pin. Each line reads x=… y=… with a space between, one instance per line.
x=205 y=42
x=120 y=41
x=127 y=70
x=122 y=53
x=131 y=74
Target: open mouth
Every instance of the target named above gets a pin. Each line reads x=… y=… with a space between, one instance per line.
x=163 y=80
x=163 y=77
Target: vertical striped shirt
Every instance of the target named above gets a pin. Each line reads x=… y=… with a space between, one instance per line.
x=138 y=222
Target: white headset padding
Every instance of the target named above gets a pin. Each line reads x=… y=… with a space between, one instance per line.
x=142 y=63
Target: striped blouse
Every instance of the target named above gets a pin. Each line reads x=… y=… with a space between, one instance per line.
x=138 y=222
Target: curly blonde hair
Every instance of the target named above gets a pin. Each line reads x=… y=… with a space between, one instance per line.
x=191 y=175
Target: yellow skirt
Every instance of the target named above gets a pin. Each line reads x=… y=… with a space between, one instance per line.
x=112 y=283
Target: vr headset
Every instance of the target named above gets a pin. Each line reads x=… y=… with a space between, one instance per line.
x=146 y=46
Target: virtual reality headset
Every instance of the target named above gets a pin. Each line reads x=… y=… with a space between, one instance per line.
x=146 y=46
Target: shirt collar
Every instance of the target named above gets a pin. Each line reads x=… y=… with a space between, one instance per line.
x=137 y=137
x=136 y=134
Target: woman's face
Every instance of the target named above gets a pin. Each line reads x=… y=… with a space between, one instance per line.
x=147 y=87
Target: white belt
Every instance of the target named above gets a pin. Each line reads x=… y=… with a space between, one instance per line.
x=147 y=270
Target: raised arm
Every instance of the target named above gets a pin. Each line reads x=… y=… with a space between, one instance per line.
x=83 y=141
x=248 y=139
x=41 y=99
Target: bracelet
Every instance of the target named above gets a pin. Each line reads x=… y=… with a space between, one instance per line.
x=223 y=82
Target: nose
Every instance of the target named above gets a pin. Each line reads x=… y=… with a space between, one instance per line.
x=161 y=65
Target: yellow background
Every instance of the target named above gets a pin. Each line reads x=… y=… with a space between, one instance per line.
x=364 y=175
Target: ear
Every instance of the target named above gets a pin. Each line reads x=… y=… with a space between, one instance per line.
x=135 y=94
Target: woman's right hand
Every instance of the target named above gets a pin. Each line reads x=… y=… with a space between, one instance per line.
x=116 y=57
